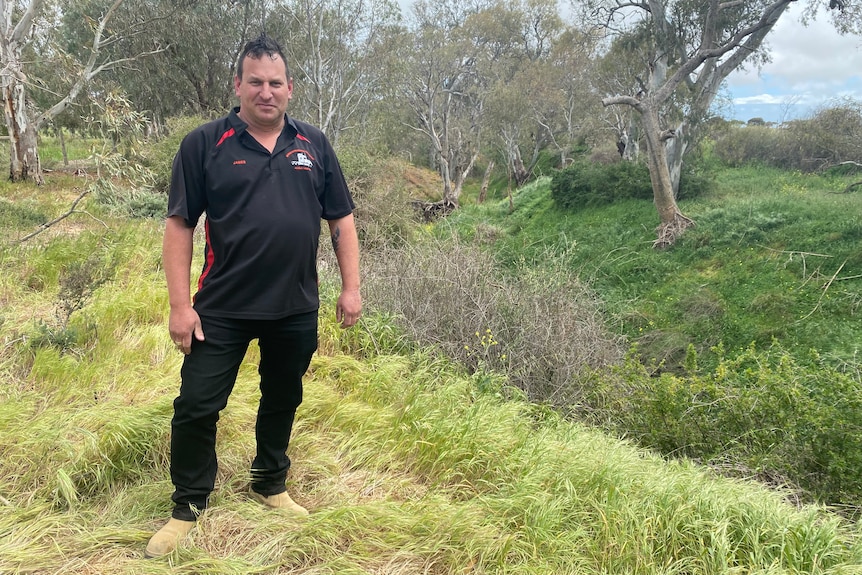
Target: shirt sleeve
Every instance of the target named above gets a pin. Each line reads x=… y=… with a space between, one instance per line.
x=187 y=197
x=337 y=200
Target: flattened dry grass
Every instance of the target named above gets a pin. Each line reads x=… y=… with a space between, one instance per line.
x=406 y=466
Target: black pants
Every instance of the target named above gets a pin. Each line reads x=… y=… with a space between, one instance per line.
x=208 y=376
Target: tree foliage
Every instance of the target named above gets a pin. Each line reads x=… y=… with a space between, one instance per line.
x=24 y=29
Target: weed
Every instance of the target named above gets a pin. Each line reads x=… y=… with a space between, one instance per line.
x=409 y=464
x=78 y=281
x=20 y=214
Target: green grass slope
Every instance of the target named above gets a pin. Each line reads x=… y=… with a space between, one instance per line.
x=774 y=256
x=405 y=465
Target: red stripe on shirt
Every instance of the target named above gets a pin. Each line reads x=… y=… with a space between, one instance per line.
x=225 y=136
x=209 y=259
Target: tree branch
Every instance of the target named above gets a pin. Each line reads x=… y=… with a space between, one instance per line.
x=23 y=26
x=90 y=70
x=58 y=219
x=758 y=31
x=627 y=100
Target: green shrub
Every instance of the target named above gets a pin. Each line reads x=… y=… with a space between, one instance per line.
x=129 y=189
x=828 y=137
x=758 y=413
x=78 y=280
x=748 y=145
x=698 y=177
x=64 y=338
x=586 y=184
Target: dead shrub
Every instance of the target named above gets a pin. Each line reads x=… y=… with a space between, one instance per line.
x=543 y=329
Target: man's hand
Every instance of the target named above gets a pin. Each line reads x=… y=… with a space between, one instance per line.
x=348 y=309
x=183 y=324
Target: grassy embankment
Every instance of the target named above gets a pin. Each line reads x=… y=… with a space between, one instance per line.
x=774 y=256
x=748 y=328
x=406 y=466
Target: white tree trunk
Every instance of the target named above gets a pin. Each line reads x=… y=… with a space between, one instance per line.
x=23 y=143
x=676 y=148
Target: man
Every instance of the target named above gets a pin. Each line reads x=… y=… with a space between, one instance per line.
x=265 y=181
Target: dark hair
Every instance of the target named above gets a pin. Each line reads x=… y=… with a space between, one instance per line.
x=256 y=48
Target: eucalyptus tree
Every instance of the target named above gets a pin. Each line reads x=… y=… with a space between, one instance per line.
x=336 y=50
x=445 y=88
x=518 y=37
x=693 y=45
x=24 y=24
x=618 y=71
x=568 y=108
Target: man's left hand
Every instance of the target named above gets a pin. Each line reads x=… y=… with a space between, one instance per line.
x=348 y=310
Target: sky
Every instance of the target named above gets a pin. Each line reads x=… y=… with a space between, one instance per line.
x=811 y=67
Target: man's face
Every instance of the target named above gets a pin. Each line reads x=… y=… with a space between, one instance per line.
x=263 y=91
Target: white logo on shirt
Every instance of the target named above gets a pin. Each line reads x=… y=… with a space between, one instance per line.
x=302 y=161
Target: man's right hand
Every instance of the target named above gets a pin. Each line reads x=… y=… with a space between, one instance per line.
x=183 y=324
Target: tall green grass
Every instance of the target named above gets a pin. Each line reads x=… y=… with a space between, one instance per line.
x=407 y=465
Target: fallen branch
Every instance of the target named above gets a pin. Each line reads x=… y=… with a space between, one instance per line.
x=60 y=218
x=823 y=294
x=851 y=186
x=432 y=211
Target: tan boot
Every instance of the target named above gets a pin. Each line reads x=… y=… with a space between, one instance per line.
x=279 y=501
x=168 y=537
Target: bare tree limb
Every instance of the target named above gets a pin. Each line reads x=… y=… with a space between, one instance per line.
x=60 y=218
x=627 y=100
x=23 y=26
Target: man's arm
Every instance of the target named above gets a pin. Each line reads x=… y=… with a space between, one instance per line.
x=177 y=247
x=346 y=245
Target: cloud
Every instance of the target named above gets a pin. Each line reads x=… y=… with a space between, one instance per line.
x=805 y=59
x=811 y=66
x=759 y=99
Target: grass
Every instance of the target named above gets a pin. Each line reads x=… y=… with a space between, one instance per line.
x=742 y=332
x=407 y=466
x=78 y=150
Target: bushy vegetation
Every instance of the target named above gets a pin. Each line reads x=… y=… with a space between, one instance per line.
x=829 y=137
x=137 y=181
x=382 y=191
x=773 y=261
x=158 y=156
x=758 y=413
x=447 y=432
x=589 y=184
x=541 y=329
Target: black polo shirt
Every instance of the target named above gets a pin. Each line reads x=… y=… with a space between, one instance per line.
x=263 y=213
